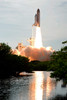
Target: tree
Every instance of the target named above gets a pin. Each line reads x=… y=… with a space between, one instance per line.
x=59 y=63
x=64 y=42
x=10 y=63
x=4 y=49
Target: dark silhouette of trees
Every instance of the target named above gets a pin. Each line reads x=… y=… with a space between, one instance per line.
x=11 y=64
x=59 y=63
x=59 y=97
x=4 y=50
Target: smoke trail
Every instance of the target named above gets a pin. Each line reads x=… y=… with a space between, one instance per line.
x=37 y=51
x=40 y=54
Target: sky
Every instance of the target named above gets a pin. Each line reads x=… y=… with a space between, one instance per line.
x=17 y=18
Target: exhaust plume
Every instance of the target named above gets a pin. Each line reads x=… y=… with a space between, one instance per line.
x=35 y=51
x=40 y=54
x=38 y=38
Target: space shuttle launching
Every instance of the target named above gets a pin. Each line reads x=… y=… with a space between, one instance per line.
x=35 y=29
x=37 y=19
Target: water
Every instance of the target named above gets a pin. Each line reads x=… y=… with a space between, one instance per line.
x=39 y=86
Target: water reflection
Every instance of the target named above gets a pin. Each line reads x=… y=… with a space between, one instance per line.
x=49 y=86
x=39 y=86
x=36 y=86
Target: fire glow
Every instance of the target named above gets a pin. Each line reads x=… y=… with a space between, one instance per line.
x=35 y=51
x=38 y=38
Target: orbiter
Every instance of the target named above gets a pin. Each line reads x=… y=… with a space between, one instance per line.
x=37 y=19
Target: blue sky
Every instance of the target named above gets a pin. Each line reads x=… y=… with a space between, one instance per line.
x=17 y=17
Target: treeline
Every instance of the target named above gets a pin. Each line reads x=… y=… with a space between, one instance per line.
x=58 y=63
x=12 y=65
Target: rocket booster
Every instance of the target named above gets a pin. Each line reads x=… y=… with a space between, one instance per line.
x=37 y=19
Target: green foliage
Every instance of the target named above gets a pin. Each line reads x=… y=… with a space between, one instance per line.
x=59 y=97
x=11 y=64
x=64 y=42
x=64 y=49
x=39 y=66
x=4 y=49
x=59 y=63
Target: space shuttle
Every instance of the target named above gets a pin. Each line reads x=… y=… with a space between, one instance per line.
x=37 y=18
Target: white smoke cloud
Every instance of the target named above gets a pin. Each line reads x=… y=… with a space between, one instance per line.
x=40 y=54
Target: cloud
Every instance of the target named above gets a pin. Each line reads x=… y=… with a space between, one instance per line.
x=40 y=54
